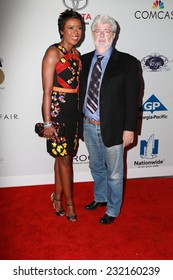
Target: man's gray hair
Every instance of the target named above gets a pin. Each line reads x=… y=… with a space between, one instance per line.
x=104 y=19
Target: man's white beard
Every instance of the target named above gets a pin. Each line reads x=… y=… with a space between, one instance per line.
x=102 y=45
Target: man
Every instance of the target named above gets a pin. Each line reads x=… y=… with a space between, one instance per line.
x=108 y=106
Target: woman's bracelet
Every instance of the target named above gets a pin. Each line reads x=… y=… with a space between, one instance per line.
x=47 y=124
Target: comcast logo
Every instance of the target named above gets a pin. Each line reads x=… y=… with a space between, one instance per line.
x=156 y=12
x=158 y=4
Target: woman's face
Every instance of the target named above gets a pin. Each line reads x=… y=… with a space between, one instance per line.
x=72 y=32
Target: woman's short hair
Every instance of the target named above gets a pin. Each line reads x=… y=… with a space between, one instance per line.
x=104 y=19
x=64 y=16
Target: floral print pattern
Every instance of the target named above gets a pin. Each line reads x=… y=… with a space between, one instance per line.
x=64 y=108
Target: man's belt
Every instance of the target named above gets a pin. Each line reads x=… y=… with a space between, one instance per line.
x=91 y=121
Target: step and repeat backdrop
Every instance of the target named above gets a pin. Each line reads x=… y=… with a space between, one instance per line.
x=27 y=28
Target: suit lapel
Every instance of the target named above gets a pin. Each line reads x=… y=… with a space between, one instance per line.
x=86 y=60
x=110 y=68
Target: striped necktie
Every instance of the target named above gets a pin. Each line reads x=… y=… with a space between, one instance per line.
x=93 y=90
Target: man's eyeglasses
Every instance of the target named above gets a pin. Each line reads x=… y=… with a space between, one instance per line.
x=105 y=32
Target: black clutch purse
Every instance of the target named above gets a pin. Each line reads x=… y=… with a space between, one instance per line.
x=60 y=128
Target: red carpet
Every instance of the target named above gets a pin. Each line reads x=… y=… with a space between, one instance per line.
x=144 y=230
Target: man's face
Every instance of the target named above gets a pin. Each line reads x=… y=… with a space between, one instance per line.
x=103 y=35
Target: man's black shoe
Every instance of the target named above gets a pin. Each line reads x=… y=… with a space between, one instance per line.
x=93 y=205
x=106 y=219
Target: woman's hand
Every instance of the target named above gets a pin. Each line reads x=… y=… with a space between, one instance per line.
x=50 y=132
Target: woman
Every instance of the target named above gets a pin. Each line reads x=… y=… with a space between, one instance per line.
x=61 y=68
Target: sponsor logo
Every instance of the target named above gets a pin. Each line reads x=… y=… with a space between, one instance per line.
x=155 y=63
x=75 y=4
x=152 y=104
x=149 y=148
x=81 y=159
x=156 y=12
x=158 y=4
x=9 y=117
x=2 y=75
x=149 y=152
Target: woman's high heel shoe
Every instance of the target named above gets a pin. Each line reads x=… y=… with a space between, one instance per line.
x=71 y=218
x=54 y=200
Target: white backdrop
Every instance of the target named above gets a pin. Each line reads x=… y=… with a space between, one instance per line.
x=27 y=28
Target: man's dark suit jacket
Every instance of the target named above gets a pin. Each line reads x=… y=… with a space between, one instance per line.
x=119 y=96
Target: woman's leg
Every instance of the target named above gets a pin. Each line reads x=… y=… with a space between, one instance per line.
x=66 y=178
x=57 y=196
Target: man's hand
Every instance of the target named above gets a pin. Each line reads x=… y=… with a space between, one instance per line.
x=128 y=138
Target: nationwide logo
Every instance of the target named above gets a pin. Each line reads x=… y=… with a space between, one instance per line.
x=155 y=63
x=158 y=12
x=149 y=148
x=152 y=104
x=148 y=152
x=2 y=76
x=75 y=4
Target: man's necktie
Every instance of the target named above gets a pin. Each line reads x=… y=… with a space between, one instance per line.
x=93 y=90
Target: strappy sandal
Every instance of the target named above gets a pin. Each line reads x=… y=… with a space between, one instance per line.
x=71 y=218
x=54 y=200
